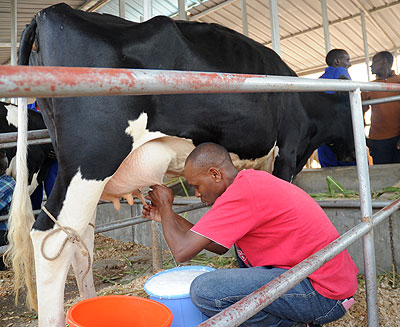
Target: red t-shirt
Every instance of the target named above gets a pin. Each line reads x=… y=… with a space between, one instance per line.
x=277 y=224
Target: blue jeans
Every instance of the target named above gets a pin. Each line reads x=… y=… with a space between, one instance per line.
x=214 y=291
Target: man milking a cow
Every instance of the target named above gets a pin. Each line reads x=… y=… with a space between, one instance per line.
x=272 y=224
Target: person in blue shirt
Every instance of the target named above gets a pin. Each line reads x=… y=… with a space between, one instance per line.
x=338 y=61
x=7 y=185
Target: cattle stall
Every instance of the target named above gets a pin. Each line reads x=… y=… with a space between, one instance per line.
x=14 y=81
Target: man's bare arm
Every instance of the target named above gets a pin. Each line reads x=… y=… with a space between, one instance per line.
x=187 y=225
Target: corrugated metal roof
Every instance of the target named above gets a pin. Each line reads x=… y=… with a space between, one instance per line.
x=300 y=24
x=301 y=29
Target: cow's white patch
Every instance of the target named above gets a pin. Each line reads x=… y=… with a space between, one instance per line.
x=12 y=168
x=12 y=115
x=12 y=171
x=80 y=201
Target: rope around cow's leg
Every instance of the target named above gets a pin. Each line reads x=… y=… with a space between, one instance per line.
x=72 y=236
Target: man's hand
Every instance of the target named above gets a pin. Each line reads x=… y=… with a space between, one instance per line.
x=160 y=196
x=151 y=212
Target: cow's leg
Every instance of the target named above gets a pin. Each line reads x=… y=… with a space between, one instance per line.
x=285 y=165
x=82 y=266
x=76 y=212
x=50 y=278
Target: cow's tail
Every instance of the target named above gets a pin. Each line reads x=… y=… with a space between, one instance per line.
x=26 y=44
x=21 y=219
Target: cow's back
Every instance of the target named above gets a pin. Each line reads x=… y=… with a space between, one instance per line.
x=68 y=37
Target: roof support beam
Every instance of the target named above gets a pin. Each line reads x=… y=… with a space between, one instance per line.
x=374 y=22
x=245 y=27
x=182 y=10
x=325 y=22
x=147 y=9
x=13 y=32
x=366 y=52
x=93 y=5
x=274 y=21
x=121 y=8
x=212 y=9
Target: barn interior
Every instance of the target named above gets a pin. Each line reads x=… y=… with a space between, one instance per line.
x=301 y=32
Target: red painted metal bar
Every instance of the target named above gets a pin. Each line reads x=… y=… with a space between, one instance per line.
x=30 y=81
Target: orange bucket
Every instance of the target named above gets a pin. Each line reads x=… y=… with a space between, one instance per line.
x=119 y=311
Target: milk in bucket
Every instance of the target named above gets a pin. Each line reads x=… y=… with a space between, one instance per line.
x=171 y=288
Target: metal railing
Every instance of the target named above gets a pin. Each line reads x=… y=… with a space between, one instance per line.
x=122 y=223
x=9 y=140
x=20 y=81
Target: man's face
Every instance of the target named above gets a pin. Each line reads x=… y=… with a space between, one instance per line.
x=378 y=66
x=344 y=60
x=208 y=185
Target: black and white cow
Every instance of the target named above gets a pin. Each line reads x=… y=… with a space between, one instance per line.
x=109 y=147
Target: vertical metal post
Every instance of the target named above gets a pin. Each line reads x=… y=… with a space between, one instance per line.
x=134 y=213
x=325 y=22
x=156 y=247
x=245 y=27
x=121 y=8
x=364 y=32
x=396 y=61
x=182 y=10
x=13 y=32
x=155 y=234
x=366 y=207
x=274 y=21
x=147 y=9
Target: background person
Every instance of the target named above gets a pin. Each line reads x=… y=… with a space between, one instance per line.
x=47 y=177
x=7 y=185
x=384 y=133
x=273 y=224
x=338 y=61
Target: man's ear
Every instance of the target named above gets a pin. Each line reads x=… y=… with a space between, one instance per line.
x=336 y=62
x=215 y=174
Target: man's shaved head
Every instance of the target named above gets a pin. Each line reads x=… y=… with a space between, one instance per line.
x=208 y=155
x=209 y=169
